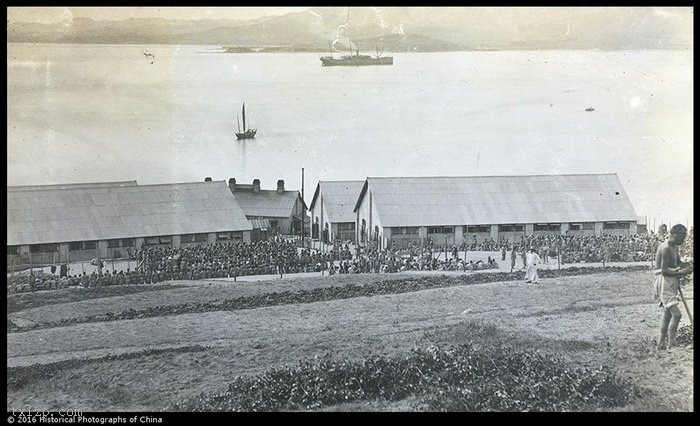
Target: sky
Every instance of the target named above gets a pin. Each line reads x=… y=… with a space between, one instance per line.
x=58 y=14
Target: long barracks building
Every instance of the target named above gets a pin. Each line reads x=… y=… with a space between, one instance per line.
x=60 y=223
x=453 y=210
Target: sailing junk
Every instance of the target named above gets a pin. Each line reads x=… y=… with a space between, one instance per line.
x=246 y=133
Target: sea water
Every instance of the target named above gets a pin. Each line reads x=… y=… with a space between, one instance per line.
x=85 y=113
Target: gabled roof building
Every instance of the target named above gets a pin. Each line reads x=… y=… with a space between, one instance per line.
x=470 y=209
x=276 y=211
x=82 y=221
x=332 y=210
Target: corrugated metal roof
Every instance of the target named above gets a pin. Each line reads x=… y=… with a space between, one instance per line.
x=267 y=203
x=100 y=212
x=339 y=198
x=426 y=201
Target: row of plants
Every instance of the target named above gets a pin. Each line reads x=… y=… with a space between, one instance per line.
x=19 y=302
x=461 y=378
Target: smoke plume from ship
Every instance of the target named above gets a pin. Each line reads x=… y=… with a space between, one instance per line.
x=342 y=38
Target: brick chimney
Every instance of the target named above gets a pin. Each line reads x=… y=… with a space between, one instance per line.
x=256 y=185
x=207 y=179
x=280 y=186
x=232 y=184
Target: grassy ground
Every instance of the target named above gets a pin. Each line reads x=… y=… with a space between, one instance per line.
x=155 y=363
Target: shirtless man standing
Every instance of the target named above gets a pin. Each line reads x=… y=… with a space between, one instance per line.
x=668 y=271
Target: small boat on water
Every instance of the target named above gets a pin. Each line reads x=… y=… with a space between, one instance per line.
x=246 y=133
x=589 y=109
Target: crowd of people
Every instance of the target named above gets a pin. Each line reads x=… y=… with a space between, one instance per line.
x=48 y=281
x=280 y=256
x=579 y=248
x=283 y=256
x=597 y=249
x=411 y=259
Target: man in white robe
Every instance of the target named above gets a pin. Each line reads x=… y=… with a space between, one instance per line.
x=533 y=259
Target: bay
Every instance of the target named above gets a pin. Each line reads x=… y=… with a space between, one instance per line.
x=86 y=113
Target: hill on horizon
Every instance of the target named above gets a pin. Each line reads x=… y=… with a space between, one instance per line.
x=397 y=28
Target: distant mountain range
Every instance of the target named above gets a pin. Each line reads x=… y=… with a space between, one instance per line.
x=392 y=29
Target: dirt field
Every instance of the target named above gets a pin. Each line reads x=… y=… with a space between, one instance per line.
x=152 y=363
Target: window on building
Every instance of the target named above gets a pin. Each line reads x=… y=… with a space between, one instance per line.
x=74 y=246
x=547 y=227
x=574 y=227
x=113 y=243
x=223 y=236
x=43 y=248
x=477 y=229
x=326 y=233
x=616 y=225
x=274 y=224
x=200 y=238
x=505 y=228
x=151 y=241
x=187 y=238
x=13 y=250
x=128 y=242
x=350 y=226
x=406 y=230
x=89 y=245
x=441 y=229
x=234 y=235
x=589 y=225
x=518 y=228
x=166 y=240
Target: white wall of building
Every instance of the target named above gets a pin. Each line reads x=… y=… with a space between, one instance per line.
x=372 y=221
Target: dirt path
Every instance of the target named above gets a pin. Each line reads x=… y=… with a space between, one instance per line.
x=203 y=291
x=607 y=319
